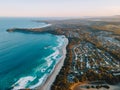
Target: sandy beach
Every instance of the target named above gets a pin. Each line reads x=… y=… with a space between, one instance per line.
x=51 y=78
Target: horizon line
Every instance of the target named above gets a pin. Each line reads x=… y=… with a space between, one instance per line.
x=55 y=16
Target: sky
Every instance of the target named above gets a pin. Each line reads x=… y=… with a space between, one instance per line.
x=59 y=8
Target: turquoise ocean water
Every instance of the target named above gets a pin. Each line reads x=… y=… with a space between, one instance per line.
x=26 y=59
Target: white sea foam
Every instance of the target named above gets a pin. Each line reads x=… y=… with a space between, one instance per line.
x=41 y=80
x=22 y=82
x=47 y=25
x=60 y=40
x=52 y=57
x=43 y=70
x=57 y=50
x=49 y=59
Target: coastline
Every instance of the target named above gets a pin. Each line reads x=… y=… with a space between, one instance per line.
x=51 y=78
x=48 y=82
x=63 y=30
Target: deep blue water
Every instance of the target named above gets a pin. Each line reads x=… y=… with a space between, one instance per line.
x=26 y=59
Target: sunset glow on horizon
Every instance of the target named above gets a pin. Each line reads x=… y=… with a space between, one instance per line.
x=59 y=8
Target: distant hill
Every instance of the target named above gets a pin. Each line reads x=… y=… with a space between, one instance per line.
x=115 y=18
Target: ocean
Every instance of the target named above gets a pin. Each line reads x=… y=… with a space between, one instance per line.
x=26 y=59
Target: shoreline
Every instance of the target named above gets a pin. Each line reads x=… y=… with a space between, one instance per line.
x=48 y=82
x=51 y=78
x=70 y=31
